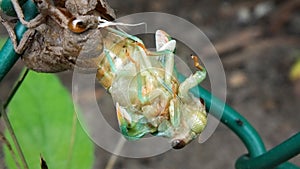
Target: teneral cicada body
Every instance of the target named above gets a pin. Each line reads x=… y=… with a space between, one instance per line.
x=147 y=95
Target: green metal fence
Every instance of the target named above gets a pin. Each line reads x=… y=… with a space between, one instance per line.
x=257 y=158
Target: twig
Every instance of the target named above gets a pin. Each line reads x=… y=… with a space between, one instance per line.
x=14 y=138
x=10 y=149
x=72 y=140
x=15 y=88
x=113 y=158
x=6 y=119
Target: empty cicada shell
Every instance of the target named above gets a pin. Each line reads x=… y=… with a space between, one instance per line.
x=50 y=44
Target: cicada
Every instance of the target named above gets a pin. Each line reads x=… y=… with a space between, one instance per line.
x=144 y=85
x=145 y=89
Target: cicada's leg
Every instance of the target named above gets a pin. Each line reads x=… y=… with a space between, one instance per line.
x=110 y=61
x=46 y=8
x=192 y=81
x=165 y=129
x=132 y=126
x=166 y=46
x=169 y=62
x=19 y=48
x=150 y=111
x=146 y=71
x=29 y=24
x=166 y=50
x=143 y=64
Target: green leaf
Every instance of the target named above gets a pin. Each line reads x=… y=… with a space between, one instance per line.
x=295 y=71
x=44 y=121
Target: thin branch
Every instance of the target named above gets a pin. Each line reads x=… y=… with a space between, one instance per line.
x=6 y=119
x=14 y=138
x=113 y=158
x=15 y=88
x=10 y=149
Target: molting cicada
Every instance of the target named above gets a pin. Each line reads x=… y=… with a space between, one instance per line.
x=146 y=91
x=143 y=83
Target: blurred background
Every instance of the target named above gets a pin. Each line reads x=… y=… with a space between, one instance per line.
x=258 y=42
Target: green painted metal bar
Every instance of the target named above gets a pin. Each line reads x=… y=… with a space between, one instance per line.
x=8 y=56
x=274 y=157
x=287 y=165
x=7 y=7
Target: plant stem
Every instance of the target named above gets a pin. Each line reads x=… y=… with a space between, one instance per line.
x=6 y=119
x=15 y=88
x=113 y=158
x=14 y=138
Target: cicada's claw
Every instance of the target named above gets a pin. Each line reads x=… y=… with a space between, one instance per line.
x=132 y=126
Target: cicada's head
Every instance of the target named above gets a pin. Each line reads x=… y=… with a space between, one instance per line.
x=190 y=120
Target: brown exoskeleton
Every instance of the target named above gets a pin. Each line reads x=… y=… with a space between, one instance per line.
x=54 y=37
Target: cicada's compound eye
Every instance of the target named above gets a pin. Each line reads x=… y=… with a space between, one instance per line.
x=178 y=144
x=77 y=25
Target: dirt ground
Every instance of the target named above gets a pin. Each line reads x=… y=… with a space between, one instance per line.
x=257 y=50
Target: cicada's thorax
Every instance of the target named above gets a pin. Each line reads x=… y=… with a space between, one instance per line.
x=116 y=55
